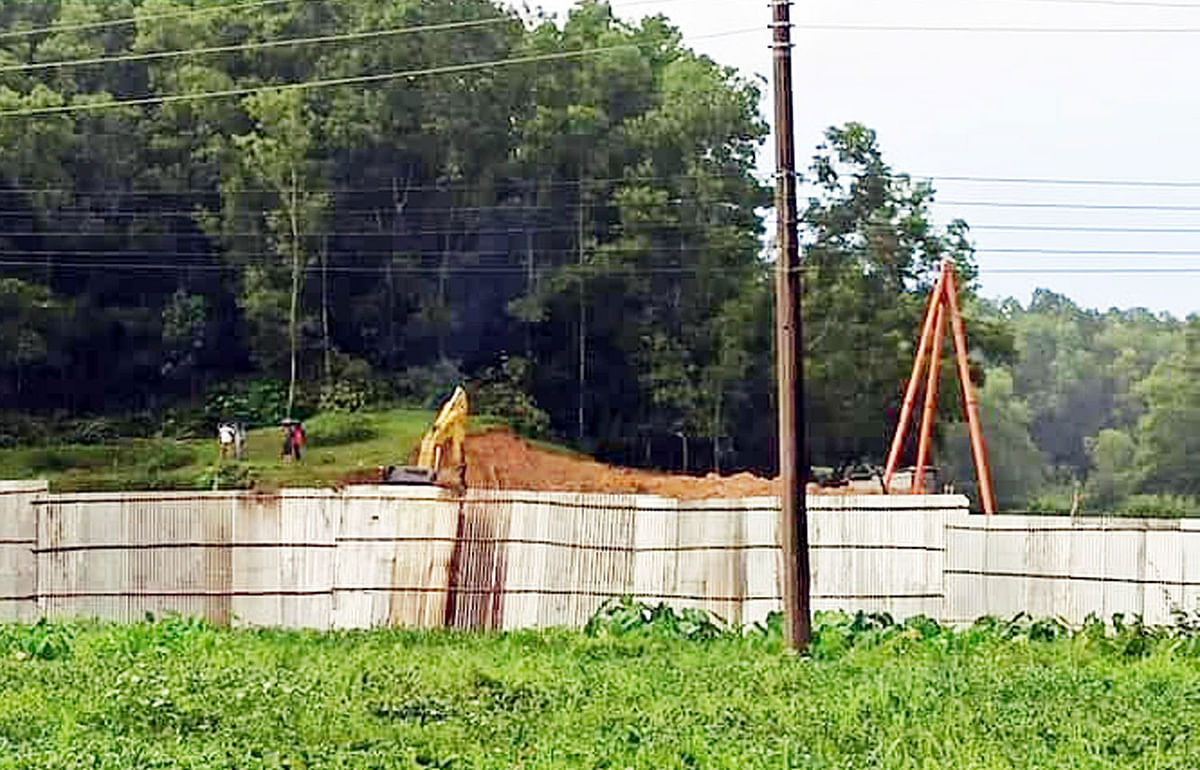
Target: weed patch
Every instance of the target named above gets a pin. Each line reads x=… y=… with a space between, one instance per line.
x=645 y=687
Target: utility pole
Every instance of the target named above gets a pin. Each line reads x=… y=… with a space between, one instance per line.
x=789 y=342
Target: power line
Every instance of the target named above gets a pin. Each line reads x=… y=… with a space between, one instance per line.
x=1119 y=3
x=329 y=82
x=1091 y=271
x=1087 y=229
x=1001 y=30
x=599 y=250
x=320 y=39
x=488 y=230
x=521 y=270
x=514 y=183
x=1083 y=206
x=1096 y=252
x=485 y=229
x=396 y=269
x=55 y=28
x=313 y=84
x=1062 y=182
x=500 y=208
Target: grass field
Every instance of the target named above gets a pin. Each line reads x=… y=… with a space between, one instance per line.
x=379 y=438
x=1016 y=695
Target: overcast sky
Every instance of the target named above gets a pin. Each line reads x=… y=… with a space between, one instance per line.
x=1073 y=105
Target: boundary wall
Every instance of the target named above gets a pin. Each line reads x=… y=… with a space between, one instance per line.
x=371 y=556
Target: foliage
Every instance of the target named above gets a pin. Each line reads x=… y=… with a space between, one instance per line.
x=383 y=438
x=427 y=387
x=333 y=428
x=343 y=396
x=1168 y=438
x=256 y=402
x=625 y=616
x=602 y=210
x=1158 y=506
x=871 y=263
x=1114 y=475
x=226 y=475
x=1020 y=692
x=1017 y=466
x=503 y=392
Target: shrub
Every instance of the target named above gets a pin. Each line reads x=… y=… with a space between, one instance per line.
x=168 y=456
x=424 y=387
x=501 y=392
x=344 y=396
x=226 y=476
x=60 y=459
x=333 y=428
x=93 y=430
x=186 y=422
x=1159 y=506
x=257 y=402
x=626 y=616
x=23 y=428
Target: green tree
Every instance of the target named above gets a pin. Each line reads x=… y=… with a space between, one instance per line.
x=277 y=154
x=1169 y=432
x=1018 y=468
x=1114 y=474
x=869 y=267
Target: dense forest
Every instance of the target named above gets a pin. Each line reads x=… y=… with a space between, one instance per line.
x=567 y=216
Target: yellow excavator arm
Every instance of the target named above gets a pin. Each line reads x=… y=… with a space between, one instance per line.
x=442 y=445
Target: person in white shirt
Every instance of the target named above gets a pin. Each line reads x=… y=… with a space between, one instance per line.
x=225 y=436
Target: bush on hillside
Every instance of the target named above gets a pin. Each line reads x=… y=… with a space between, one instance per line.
x=502 y=392
x=333 y=428
x=425 y=387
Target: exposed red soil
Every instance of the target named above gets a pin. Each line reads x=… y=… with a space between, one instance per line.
x=500 y=460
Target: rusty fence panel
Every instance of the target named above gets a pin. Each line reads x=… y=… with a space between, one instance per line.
x=419 y=557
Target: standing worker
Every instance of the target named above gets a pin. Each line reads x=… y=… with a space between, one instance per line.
x=293 y=440
x=226 y=436
x=239 y=440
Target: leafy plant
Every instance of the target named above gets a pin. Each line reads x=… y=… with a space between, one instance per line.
x=333 y=428
x=626 y=616
x=424 y=387
x=230 y=475
x=258 y=402
x=503 y=391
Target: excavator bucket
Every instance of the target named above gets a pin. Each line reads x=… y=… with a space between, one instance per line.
x=408 y=474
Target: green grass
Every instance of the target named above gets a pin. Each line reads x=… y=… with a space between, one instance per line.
x=180 y=694
x=167 y=464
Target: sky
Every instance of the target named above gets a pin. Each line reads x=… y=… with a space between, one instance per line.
x=1085 y=99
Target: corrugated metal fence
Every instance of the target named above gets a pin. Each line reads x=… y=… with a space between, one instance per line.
x=376 y=556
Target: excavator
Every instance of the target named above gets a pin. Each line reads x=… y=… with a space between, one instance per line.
x=442 y=459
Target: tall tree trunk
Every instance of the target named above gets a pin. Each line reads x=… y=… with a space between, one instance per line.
x=716 y=431
x=294 y=218
x=582 y=322
x=325 y=306
x=399 y=204
x=530 y=280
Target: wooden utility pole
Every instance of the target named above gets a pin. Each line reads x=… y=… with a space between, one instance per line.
x=789 y=342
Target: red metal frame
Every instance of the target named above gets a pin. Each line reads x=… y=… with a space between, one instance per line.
x=910 y=395
x=931 y=389
x=943 y=302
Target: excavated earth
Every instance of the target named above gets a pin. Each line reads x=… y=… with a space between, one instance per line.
x=500 y=460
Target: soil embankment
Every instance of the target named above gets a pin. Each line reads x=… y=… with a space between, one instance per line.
x=500 y=460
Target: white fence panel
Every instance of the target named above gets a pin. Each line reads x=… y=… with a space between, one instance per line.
x=18 y=541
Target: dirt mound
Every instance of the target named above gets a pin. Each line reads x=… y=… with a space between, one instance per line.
x=501 y=460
